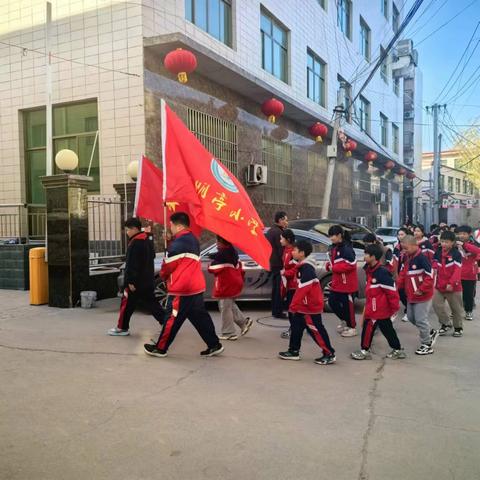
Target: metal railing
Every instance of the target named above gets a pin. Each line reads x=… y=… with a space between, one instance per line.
x=22 y=222
x=106 y=246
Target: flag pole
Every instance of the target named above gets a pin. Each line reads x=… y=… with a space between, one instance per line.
x=163 y=119
x=138 y=186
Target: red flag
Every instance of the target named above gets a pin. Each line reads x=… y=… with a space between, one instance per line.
x=148 y=197
x=194 y=176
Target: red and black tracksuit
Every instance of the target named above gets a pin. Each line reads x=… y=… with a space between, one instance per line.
x=182 y=270
x=228 y=272
x=426 y=248
x=307 y=307
x=382 y=301
x=448 y=267
x=470 y=252
x=344 y=287
x=289 y=278
x=139 y=272
x=416 y=275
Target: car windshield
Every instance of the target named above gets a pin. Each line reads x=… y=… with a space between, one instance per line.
x=386 y=231
x=356 y=232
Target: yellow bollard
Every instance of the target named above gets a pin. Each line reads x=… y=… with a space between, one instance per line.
x=38 y=276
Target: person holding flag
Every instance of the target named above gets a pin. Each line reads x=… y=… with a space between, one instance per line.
x=182 y=270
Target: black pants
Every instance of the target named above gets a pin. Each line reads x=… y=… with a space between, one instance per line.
x=403 y=298
x=314 y=326
x=288 y=301
x=385 y=326
x=129 y=304
x=277 y=302
x=178 y=310
x=468 y=294
x=343 y=306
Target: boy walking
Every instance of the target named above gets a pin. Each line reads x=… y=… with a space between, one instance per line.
x=470 y=252
x=229 y=278
x=416 y=278
x=139 y=279
x=307 y=307
x=182 y=270
x=448 y=265
x=382 y=301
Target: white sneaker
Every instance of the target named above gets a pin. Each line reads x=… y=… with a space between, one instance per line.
x=118 y=332
x=349 y=332
x=405 y=318
x=228 y=337
x=469 y=316
x=394 y=317
x=342 y=326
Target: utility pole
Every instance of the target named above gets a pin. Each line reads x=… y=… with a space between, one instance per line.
x=48 y=89
x=339 y=110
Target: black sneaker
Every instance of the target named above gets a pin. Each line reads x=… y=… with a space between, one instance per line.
x=326 y=360
x=289 y=355
x=434 y=334
x=458 y=332
x=444 y=330
x=211 y=352
x=152 y=350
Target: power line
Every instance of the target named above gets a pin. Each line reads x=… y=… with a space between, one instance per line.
x=464 y=89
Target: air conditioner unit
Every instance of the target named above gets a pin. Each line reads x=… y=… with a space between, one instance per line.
x=256 y=174
x=409 y=115
x=404 y=47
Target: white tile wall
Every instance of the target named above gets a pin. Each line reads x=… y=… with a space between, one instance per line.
x=106 y=33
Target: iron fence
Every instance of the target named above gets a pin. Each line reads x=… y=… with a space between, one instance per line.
x=106 y=246
x=22 y=222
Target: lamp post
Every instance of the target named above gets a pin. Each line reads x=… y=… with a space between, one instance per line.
x=66 y=160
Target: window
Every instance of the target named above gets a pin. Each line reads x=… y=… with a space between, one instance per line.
x=217 y=136
x=384 y=7
x=348 y=97
x=213 y=16
x=457 y=185
x=395 y=138
x=343 y=186
x=395 y=18
x=364 y=115
x=322 y=3
x=274 y=47
x=317 y=171
x=396 y=86
x=277 y=156
x=465 y=186
x=364 y=39
x=315 y=78
x=471 y=188
x=442 y=182
x=450 y=184
x=384 y=130
x=344 y=17
x=384 y=66
x=75 y=127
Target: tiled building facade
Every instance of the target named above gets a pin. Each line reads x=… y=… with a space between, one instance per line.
x=108 y=77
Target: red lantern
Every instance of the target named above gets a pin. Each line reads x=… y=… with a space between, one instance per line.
x=272 y=108
x=349 y=147
x=371 y=156
x=389 y=165
x=410 y=175
x=318 y=130
x=401 y=171
x=180 y=62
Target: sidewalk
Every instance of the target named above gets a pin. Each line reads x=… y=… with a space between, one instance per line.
x=77 y=404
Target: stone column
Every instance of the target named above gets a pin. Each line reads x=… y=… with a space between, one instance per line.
x=67 y=238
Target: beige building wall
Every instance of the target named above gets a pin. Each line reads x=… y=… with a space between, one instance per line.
x=105 y=34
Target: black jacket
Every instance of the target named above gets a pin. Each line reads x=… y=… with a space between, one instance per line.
x=139 y=269
x=273 y=236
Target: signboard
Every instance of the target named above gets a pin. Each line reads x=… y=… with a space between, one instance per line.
x=456 y=203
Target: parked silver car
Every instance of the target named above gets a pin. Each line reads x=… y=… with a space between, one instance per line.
x=258 y=285
x=388 y=235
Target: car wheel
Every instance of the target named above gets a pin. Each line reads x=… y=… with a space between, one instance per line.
x=326 y=284
x=161 y=292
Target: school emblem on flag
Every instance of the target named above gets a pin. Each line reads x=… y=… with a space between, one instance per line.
x=222 y=177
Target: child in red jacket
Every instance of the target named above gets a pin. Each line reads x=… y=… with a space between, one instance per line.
x=344 y=287
x=448 y=265
x=470 y=252
x=423 y=242
x=288 y=273
x=382 y=301
x=416 y=278
x=307 y=307
x=229 y=279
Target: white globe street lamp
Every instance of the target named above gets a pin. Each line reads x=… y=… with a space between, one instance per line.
x=66 y=160
x=132 y=169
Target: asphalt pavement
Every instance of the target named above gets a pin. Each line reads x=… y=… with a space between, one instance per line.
x=78 y=404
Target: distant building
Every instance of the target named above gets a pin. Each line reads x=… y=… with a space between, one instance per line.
x=459 y=199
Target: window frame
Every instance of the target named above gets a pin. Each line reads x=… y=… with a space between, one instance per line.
x=190 y=13
x=383 y=130
x=365 y=42
x=285 y=48
x=395 y=138
x=344 y=17
x=322 y=78
x=384 y=4
x=384 y=66
x=365 y=115
x=395 y=18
